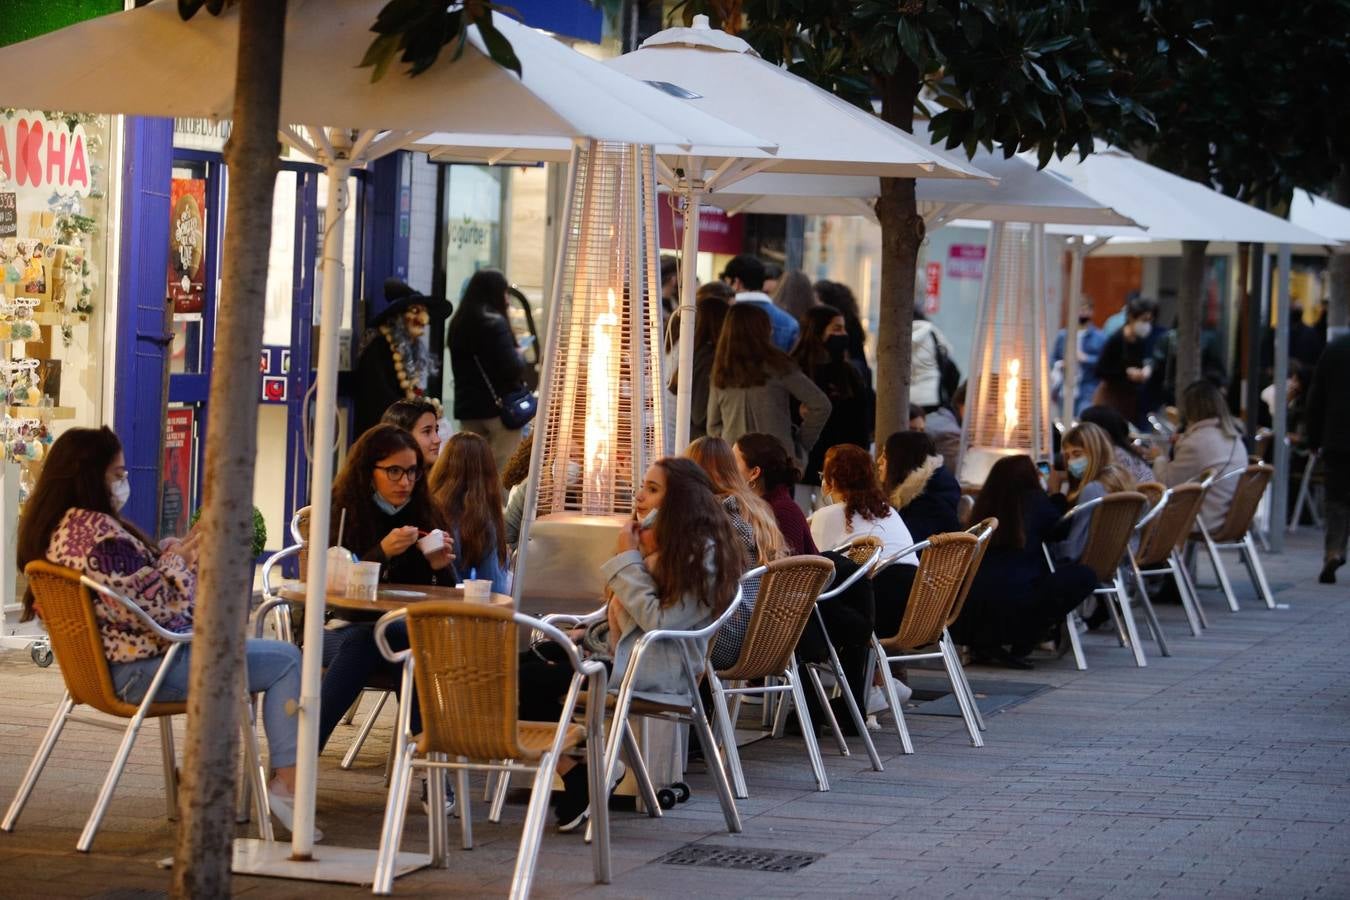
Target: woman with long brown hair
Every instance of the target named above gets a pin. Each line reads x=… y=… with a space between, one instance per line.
x=714 y=301
x=467 y=492
x=675 y=565
x=1092 y=472
x=73 y=519
x=756 y=387
x=755 y=526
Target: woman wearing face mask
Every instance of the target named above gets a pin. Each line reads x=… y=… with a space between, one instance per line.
x=73 y=519
x=675 y=566
x=1090 y=466
x=1124 y=365
x=384 y=496
x=421 y=418
x=822 y=353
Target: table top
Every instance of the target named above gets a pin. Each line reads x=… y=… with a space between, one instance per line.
x=390 y=597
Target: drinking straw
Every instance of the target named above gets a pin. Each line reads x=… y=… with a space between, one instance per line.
x=342 y=524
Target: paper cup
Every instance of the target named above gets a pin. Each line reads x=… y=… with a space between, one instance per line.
x=363 y=580
x=339 y=562
x=478 y=590
x=431 y=542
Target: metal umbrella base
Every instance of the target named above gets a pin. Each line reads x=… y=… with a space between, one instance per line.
x=341 y=865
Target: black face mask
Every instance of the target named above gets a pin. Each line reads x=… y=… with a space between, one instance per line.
x=1085 y=320
x=836 y=345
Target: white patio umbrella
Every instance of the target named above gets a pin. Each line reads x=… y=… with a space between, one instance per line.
x=147 y=61
x=1322 y=216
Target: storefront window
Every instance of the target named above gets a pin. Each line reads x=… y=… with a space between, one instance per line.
x=54 y=170
x=473 y=218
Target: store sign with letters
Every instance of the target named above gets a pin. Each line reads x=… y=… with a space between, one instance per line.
x=44 y=154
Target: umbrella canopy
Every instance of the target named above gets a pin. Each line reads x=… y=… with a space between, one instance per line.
x=148 y=61
x=1022 y=194
x=1171 y=207
x=1320 y=215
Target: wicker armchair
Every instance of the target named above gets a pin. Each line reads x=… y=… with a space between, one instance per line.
x=66 y=601
x=1235 y=532
x=788 y=589
x=1162 y=534
x=943 y=570
x=464 y=660
x=1114 y=518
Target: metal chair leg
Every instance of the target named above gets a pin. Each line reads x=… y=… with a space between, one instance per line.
x=859 y=720
x=826 y=710
x=637 y=764
x=1219 y=569
x=254 y=782
x=715 y=767
x=727 y=728
x=808 y=728
x=1121 y=634
x=965 y=681
x=437 y=838
x=350 y=756
x=1127 y=615
x=1150 y=615
x=533 y=831
x=892 y=700
x=395 y=812
x=1075 y=642
x=464 y=807
x=1258 y=571
x=39 y=762
x=1174 y=570
x=952 y=664
x=1183 y=571
x=498 y=798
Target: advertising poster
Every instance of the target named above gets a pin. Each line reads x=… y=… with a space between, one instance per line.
x=187 y=244
x=176 y=501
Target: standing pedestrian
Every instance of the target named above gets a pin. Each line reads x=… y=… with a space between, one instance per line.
x=1328 y=429
x=745 y=274
x=1124 y=365
x=486 y=362
x=822 y=353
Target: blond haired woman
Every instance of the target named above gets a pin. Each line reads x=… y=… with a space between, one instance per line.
x=1092 y=472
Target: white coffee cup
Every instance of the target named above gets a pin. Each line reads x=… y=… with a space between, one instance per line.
x=363 y=580
x=478 y=590
x=431 y=542
x=340 y=559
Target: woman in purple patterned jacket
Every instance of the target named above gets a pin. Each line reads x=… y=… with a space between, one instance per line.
x=73 y=519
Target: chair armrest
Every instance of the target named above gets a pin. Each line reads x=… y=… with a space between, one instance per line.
x=382 y=642
x=158 y=629
x=673 y=634
x=753 y=573
x=1080 y=508
x=271 y=562
x=261 y=613
x=848 y=582
x=895 y=557
x=1153 y=513
x=570 y=620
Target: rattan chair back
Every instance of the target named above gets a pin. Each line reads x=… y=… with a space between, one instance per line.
x=860 y=549
x=1113 y=522
x=67 y=610
x=787 y=595
x=1171 y=526
x=1152 y=490
x=983 y=531
x=301 y=527
x=1251 y=484
x=465 y=667
x=937 y=585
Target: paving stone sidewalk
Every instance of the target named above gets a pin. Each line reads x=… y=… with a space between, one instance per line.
x=1221 y=771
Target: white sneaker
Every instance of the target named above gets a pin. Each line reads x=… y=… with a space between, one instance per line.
x=280 y=804
x=876 y=697
x=449 y=798
x=902 y=691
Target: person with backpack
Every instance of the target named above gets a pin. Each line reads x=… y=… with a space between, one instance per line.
x=933 y=375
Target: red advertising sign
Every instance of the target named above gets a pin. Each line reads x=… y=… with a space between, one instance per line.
x=187 y=244
x=175 y=503
x=717 y=232
x=932 y=289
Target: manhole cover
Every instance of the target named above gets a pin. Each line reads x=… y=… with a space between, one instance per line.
x=715 y=857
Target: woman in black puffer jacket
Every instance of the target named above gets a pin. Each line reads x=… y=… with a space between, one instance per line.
x=485 y=361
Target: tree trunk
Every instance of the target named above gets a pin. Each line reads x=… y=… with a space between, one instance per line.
x=902 y=233
x=202 y=857
x=1338 y=306
x=1190 y=314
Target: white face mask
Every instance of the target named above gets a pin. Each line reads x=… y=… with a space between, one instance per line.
x=1143 y=329
x=121 y=493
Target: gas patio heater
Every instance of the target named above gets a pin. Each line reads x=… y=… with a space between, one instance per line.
x=1008 y=386
x=600 y=412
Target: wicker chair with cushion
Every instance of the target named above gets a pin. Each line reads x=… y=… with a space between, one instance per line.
x=464 y=660
x=65 y=599
x=788 y=589
x=1235 y=532
x=1114 y=518
x=1162 y=534
x=944 y=566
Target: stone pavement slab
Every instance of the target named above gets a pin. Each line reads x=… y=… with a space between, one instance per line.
x=1222 y=771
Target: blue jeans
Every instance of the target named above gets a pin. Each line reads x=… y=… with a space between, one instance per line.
x=352 y=659
x=273 y=671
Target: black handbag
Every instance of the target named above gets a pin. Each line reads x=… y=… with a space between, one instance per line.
x=949 y=376
x=517 y=409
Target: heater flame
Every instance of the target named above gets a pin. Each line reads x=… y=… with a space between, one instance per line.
x=1011 y=382
x=600 y=424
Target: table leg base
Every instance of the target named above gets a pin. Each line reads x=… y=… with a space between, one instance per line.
x=340 y=865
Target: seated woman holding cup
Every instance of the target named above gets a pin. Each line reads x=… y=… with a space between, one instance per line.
x=384 y=515
x=467 y=492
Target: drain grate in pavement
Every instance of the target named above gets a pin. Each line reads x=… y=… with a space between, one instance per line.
x=715 y=857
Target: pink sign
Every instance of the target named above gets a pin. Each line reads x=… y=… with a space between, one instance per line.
x=932 y=290
x=717 y=232
x=965 y=261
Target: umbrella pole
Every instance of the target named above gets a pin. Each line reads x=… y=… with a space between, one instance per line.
x=1069 y=382
x=320 y=500
x=688 y=287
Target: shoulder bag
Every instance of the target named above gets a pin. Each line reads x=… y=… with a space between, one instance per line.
x=517 y=408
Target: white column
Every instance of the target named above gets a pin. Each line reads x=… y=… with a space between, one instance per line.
x=1069 y=389
x=320 y=500
x=688 y=287
x=1279 y=487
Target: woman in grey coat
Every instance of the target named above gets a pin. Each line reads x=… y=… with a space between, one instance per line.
x=756 y=387
x=1210 y=440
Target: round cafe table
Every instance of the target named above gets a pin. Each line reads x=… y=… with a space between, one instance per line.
x=388 y=598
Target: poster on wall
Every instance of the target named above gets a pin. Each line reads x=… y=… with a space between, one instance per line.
x=187 y=245
x=176 y=500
